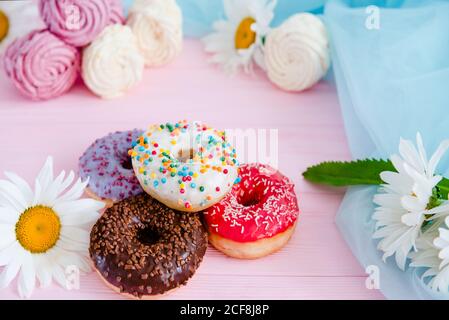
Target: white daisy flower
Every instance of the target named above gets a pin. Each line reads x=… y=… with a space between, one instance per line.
x=433 y=253
x=238 y=41
x=17 y=18
x=407 y=200
x=42 y=232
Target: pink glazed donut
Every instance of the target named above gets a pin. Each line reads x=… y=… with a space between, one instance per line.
x=41 y=66
x=78 y=22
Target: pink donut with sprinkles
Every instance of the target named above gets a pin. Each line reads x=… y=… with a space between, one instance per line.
x=257 y=217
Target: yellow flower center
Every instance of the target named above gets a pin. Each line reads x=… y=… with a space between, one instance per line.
x=245 y=36
x=4 y=25
x=38 y=229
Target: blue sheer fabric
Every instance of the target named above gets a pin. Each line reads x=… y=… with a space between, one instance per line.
x=392 y=82
x=126 y=4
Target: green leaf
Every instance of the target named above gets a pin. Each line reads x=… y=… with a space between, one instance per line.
x=359 y=172
x=443 y=188
x=349 y=173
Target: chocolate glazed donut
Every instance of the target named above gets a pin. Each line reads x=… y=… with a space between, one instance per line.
x=143 y=248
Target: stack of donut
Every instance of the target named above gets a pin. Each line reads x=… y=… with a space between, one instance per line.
x=171 y=189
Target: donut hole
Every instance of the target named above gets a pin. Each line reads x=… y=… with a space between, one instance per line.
x=249 y=198
x=185 y=154
x=127 y=163
x=148 y=236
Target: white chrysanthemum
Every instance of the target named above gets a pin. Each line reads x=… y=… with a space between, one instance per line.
x=406 y=199
x=238 y=41
x=42 y=232
x=17 y=18
x=433 y=254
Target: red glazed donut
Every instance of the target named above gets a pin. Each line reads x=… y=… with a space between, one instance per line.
x=257 y=217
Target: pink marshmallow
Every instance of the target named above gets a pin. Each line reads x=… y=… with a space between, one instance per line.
x=117 y=15
x=41 y=66
x=78 y=22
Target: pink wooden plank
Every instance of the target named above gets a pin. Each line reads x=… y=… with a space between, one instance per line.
x=315 y=264
x=229 y=287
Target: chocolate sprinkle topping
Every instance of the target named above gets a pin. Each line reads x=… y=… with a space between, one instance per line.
x=144 y=248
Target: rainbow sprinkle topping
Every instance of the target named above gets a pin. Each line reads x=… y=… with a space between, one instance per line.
x=191 y=162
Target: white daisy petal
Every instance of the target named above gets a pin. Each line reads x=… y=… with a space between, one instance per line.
x=398 y=163
x=401 y=257
x=79 y=220
x=411 y=156
x=69 y=259
x=446 y=221
x=7 y=235
x=443 y=240
x=436 y=157
x=421 y=150
x=440 y=211
x=22 y=184
x=45 y=176
x=9 y=253
x=70 y=245
x=8 y=216
x=75 y=234
x=389 y=200
x=11 y=196
x=10 y=271
x=27 y=277
x=67 y=182
x=439 y=243
x=78 y=207
x=44 y=277
x=59 y=275
x=43 y=270
x=37 y=193
x=399 y=183
x=444 y=255
x=413 y=218
x=74 y=193
x=54 y=189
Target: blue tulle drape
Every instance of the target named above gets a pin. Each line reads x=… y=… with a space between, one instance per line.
x=392 y=82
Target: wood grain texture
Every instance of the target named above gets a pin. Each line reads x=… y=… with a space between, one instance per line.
x=315 y=264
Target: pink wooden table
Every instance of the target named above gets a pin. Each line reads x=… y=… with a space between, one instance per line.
x=315 y=264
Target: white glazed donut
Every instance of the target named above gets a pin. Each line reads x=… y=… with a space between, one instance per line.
x=186 y=166
x=157 y=25
x=297 y=52
x=112 y=63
